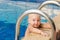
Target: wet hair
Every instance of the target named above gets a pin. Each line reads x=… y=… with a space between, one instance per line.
x=33 y=13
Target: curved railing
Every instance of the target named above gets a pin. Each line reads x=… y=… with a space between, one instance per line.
x=48 y=2
x=38 y=12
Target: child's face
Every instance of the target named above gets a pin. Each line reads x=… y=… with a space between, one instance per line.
x=34 y=20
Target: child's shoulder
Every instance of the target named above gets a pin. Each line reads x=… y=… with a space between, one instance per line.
x=45 y=25
x=41 y=25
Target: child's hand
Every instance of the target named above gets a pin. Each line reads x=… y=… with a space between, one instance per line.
x=44 y=34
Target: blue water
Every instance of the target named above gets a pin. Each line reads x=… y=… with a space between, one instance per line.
x=36 y=1
x=7 y=31
x=8 y=18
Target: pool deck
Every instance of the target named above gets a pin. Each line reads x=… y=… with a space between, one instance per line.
x=57 y=22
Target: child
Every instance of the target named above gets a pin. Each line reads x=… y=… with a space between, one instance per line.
x=35 y=25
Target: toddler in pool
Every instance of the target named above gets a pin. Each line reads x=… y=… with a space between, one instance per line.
x=35 y=25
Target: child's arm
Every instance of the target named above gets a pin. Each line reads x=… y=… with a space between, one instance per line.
x=31 y=29
x=35 y=30
x=46 y=25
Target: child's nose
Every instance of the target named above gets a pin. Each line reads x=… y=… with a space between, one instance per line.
x=36 y=22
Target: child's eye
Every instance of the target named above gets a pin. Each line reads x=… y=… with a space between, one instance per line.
x=33 y=20
x=38 y=20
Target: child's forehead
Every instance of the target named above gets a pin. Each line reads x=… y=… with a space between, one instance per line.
x=32 y=15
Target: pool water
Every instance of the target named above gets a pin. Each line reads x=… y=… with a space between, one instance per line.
x=8 y=18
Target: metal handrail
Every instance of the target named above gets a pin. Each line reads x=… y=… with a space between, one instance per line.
x=48 y=2
x=38 y=12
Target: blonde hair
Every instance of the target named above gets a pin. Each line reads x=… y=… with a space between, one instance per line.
x=32 y=14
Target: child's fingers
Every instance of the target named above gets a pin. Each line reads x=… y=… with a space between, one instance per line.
x=45 y=34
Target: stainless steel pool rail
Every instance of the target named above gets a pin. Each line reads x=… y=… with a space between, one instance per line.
x=40 y=13
x=48 y=2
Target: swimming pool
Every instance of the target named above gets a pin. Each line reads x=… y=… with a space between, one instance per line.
x=9 y=13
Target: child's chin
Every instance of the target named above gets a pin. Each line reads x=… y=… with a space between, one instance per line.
x=35 y=26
